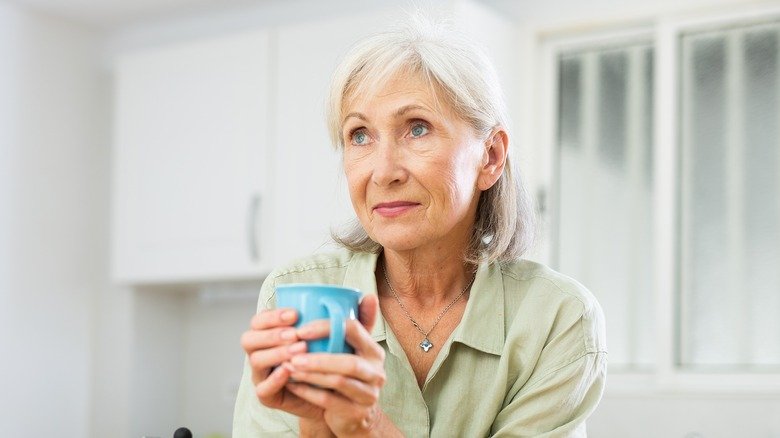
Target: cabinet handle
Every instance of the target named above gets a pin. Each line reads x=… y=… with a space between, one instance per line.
x=252 y=231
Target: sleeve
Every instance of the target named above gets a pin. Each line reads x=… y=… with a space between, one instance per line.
x=558 y=404
x=250 y=418
x=567 y=382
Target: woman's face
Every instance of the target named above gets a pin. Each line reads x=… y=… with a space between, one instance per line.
x=413 y=167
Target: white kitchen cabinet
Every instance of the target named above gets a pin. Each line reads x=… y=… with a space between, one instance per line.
x=224 y=168
x=190 y=161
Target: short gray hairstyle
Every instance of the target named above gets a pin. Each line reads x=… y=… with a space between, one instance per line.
x=505 y=225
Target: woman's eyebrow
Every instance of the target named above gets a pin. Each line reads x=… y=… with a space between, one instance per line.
x=400 y=112
x=407 y=108
x=355 y=115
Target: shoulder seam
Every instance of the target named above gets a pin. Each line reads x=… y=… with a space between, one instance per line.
x=557 y=286
x=506 y=268
x=585 y=347
x=308 y=268
x=539 y=379
x=297 y=270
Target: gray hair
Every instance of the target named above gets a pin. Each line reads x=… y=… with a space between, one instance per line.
x=505 y=225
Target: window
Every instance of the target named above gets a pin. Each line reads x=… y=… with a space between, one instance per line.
x=605 y=189
x=730 y=197
x=665 y=171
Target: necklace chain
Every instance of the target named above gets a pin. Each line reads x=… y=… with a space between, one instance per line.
x=426 y=343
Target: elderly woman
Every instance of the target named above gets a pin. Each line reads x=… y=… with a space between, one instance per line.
x=457 y=335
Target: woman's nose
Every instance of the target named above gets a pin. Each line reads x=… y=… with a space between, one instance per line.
x=388 y=164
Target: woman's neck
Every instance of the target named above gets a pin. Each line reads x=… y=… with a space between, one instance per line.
x=428 y=278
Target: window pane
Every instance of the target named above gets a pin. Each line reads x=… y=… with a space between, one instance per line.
x=762 y=194
x=730 y=198
x=604 y=236
x=570 y=102
x=612 y=108
x=706 y=275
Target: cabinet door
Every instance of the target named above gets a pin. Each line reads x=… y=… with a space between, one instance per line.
x=309 y=184
x=190 y=141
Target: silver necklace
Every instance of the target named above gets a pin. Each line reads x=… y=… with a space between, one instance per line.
x=426 y=343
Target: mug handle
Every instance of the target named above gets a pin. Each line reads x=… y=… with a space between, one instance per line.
x=338 y=325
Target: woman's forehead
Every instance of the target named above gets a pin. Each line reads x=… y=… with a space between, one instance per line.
x=404 y=89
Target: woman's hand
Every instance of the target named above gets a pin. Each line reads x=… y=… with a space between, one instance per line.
x=270 y=342
x=347 y=385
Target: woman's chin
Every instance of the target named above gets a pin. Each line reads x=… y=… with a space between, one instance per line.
x=397 y=243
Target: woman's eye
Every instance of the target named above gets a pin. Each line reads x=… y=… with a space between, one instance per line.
x=359 y=137
x=419 y=129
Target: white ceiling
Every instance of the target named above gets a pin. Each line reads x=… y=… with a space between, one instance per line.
x=113 y=14
x=116 y=14
x=110 y=14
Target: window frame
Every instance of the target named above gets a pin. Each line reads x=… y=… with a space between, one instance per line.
x=664 y=32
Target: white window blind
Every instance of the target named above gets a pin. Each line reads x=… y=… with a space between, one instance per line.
x=604 y=234
x=729 y=232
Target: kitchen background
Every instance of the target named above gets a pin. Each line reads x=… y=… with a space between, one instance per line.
x=159 y=157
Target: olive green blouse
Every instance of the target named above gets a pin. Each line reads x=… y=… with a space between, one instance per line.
x=527 y=359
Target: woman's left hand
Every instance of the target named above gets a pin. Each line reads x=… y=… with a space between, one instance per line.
x=347 y=385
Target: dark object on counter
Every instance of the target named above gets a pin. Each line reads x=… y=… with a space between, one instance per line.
x=182 y=432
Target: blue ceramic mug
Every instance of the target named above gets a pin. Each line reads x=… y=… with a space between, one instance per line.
x=322 y=301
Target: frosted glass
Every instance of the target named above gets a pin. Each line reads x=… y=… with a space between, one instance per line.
x=570 y=102
x=730 y=200
x=762 y=203
x=604 y=232
x=612 y=108
x=647 y=114
x=643 y=236
x=708 y=331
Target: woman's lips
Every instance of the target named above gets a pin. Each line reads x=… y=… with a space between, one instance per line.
x=395 y=208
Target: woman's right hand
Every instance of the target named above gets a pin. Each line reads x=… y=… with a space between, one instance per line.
x=270 y=343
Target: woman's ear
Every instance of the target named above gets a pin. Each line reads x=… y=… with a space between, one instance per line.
x=493 y=158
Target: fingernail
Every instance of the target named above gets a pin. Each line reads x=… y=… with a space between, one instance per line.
x=300 y=360
x=298 y=347
x=287 y=335
x=288 y=315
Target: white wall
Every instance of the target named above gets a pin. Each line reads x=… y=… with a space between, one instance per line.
x=53 y=221
x=213 y=323
x=683 y=415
